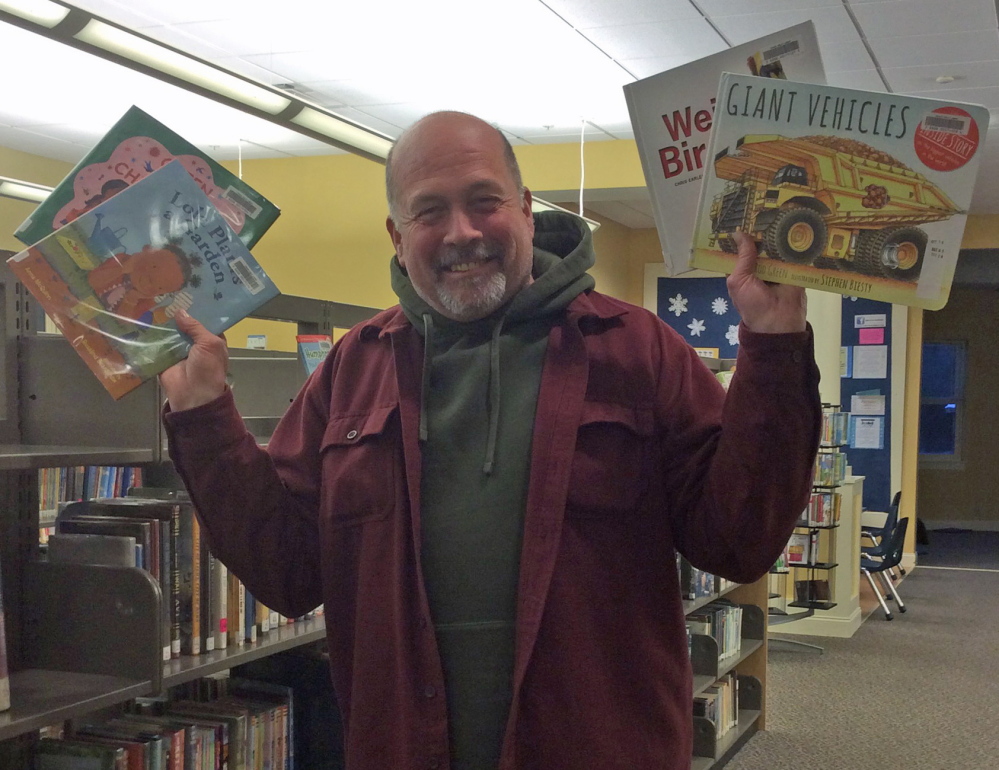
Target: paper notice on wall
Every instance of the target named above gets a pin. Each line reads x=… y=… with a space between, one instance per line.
x=867 y=405
x=870 y=362
x=867 y=432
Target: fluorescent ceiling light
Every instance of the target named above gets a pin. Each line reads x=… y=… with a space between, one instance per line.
x=335 y=128
x=23 y=191
x=43 y=12
x=86 y=31
x=168 y=61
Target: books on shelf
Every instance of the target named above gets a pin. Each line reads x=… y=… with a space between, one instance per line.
x=672 y=114
x=835 y=425
x=830 y=468
x=854 y=192
x=823 y=509
x=722 y=621
x=802 y=549
x=312 y=350
x=135 y=147
x=113 y=279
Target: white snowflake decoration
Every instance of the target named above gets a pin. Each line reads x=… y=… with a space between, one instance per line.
x=732 y=335
x=696 y=327
x=719 y=306
x=677 y=305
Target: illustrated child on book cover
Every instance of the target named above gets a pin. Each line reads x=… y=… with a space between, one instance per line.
x=133 y=285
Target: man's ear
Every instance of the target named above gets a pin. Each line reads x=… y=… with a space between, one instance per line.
x=526 y=208
x=396 y=237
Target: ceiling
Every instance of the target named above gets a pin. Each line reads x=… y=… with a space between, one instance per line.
x=543 y=71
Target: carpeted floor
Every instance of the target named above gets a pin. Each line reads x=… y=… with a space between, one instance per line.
x=960 y=548
x=918 y=693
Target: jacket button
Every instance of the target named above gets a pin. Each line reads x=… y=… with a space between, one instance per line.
x=430 y=691
x=797 y=356
x=352 y=435
x=434 y=763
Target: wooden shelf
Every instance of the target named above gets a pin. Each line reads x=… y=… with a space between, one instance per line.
x=731 y=742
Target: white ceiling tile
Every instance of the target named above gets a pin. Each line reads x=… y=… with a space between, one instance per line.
x=846 y=53
x=605 y=13
x=725 y=7
x=866 y=80
x=832 y=23
x=987 y=96
x=942 y=48
x=891 y=18
x=691 y=38
x=46 y=146
x=643 y=68
x=972 y=74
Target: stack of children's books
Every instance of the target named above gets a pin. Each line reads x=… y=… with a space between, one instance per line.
x=856 y=192
x=145 y=227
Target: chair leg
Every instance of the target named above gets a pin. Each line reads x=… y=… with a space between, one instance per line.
x=877 y=593
x=894 y=593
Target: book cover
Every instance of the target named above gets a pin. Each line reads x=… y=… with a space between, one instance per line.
x=4 y=672
x=113 y=279
x=312 y=350
x=135 y=147
x=672 y=114
x=854 y=192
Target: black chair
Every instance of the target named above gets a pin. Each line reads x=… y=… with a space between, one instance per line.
x=891 y=546
x=878 y=535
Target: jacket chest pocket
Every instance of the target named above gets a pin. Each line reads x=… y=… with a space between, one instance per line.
x=361 y=462
x=612 y=462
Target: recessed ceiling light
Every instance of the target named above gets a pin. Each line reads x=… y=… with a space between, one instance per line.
x=946 y=78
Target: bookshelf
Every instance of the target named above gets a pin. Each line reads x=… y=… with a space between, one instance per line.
x=750 y=663
x=72 y=649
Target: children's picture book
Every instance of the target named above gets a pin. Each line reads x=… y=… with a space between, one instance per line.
x=113 y=279
x=135 y=147
x=855 y=192
x=672 y=114
x=312 y=349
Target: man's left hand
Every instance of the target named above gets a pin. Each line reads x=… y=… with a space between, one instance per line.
x=764 y=307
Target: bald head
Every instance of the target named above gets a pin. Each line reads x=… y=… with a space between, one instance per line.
x=410 y=148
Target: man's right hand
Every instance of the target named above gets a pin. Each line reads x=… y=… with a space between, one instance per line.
x=200 y=378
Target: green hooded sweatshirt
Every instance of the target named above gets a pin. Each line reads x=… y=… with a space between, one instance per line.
x=480 y=390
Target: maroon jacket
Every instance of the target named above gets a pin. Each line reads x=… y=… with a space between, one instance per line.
x=637 y=453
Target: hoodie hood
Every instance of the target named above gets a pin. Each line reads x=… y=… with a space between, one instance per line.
x=563 y=252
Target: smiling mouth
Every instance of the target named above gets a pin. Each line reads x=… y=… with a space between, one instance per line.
x=464 y=267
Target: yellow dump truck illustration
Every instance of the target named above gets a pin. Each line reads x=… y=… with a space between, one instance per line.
x=828 y=202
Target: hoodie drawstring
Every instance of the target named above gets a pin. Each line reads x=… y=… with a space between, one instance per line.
x=494 y=397
x=493 y=390
x=428 y=333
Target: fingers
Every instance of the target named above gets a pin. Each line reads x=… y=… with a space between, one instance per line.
x=191 y=326
x=745 y=266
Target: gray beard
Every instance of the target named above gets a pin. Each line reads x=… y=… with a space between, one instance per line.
x=485 y=299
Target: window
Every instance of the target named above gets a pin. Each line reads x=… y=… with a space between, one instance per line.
x=941 y=404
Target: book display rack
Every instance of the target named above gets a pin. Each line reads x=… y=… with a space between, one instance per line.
x=73 y=650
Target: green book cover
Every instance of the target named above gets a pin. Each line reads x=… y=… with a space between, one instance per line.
x=135 y=147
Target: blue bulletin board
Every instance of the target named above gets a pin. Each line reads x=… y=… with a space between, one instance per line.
x=867 y=326
x=701 y=311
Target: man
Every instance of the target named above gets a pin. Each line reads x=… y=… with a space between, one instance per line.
x=487 y=485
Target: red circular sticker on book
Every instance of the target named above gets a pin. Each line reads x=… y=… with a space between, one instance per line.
x=946 y=138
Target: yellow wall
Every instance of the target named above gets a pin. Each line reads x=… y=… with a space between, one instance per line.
x=28 y=168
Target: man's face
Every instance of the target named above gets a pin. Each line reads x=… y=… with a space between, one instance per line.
x=464 y=234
